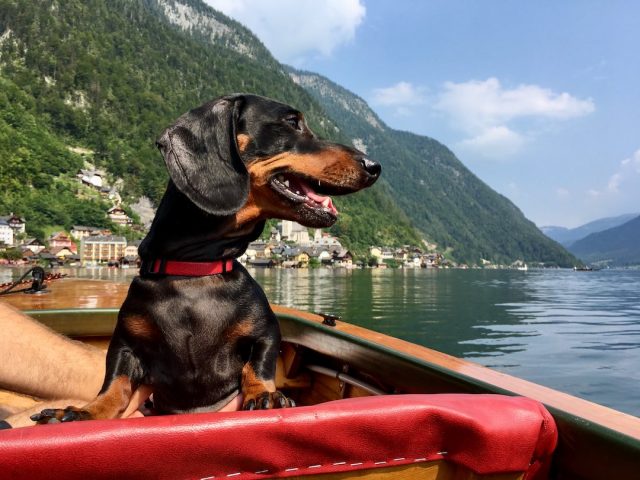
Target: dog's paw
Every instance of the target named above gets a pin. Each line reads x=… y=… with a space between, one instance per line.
x=58 y=415
x=268 y=400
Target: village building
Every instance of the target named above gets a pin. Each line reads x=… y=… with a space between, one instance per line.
x=325 y=257
x=342 y=258
x=262 y=263
x=61 y=253
x=258 y=249
x=80 y=231
x=33 y=244
x=325 y=239
x=131 y=250
x=28 y=255
x=18 y=224
x=6 y=233
x=295 y=233
x=295 y=257
x=119 y=216
x=61 y=239
x=102 y=249
x=48 y=257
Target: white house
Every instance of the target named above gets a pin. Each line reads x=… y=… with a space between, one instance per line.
x=6 y=233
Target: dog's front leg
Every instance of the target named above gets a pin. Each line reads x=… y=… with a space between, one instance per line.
x=258 y=376
x=122 y=378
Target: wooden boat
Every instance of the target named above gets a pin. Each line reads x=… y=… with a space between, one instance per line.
x=325 y=360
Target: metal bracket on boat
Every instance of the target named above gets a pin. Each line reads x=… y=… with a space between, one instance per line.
x=329 y=319
x=343 y=377
x=37 y=284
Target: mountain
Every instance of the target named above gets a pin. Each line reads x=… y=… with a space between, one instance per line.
x=567 y=236
x=446 y=202
x=94 y=82
x=618 y=246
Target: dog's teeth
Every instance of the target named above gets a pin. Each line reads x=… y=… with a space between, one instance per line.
x=286 y=183
x=325 y=202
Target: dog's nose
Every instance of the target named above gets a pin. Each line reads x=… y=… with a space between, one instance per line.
x=372 y=168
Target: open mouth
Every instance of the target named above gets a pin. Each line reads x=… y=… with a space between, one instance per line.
x=299 y=190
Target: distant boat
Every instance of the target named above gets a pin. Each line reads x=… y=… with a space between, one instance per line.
x=583 y=269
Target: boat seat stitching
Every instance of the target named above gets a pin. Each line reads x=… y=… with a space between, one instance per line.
x=335 y=464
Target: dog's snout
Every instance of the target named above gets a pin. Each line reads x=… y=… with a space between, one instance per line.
x=371 y=167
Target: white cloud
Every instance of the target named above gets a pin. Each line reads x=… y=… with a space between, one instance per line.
x=499 y=141
x=632 y=163
x=625 y=180
x=481 y=104
x=562 y=193
x=401 y=94
x=402 y=98
x=484 y=110
x=614 y=183
x=296 y=29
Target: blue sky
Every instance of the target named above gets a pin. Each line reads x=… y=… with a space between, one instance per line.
x=541 y=100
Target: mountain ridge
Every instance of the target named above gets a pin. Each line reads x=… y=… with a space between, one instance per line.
x=566 y=236
x=618 y=246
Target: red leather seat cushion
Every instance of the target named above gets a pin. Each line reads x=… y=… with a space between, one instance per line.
x=485 y=433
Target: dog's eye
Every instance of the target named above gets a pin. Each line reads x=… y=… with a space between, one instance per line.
x=293 y=122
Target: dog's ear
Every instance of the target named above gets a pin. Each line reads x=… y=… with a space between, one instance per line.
x=202 y=157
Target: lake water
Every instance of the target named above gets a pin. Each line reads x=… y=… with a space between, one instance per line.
x=578 y=332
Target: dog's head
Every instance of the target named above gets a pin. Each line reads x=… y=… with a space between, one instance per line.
x=252 y=155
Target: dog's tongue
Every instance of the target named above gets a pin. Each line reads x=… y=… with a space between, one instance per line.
x=326 y=202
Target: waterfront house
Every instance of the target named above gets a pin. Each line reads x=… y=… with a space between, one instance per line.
x=99 y=249
x=27 y=255
x=33 y=244
x=342 y=258
x=131 y=250
x=61 y=253
x=6 y=233
x=262 y=263
x=46 y=256
x=258 y=249
x=61 y=239
x=296 y=257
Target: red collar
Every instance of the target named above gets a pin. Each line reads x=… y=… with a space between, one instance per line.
x=187 y=269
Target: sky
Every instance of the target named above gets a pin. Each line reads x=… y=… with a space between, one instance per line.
x=539 y=99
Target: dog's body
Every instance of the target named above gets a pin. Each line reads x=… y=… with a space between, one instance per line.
x=198 y=339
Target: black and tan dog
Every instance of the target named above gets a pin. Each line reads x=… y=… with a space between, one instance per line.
x=195 y=326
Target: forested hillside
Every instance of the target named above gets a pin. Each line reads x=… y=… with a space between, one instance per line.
x=616 y=247
x=109 y=77
x=446 y=202
x=567 y=236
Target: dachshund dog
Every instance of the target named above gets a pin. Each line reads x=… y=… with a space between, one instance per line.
x=195 y=327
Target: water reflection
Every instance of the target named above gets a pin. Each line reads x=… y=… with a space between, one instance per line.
x=578 y=332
